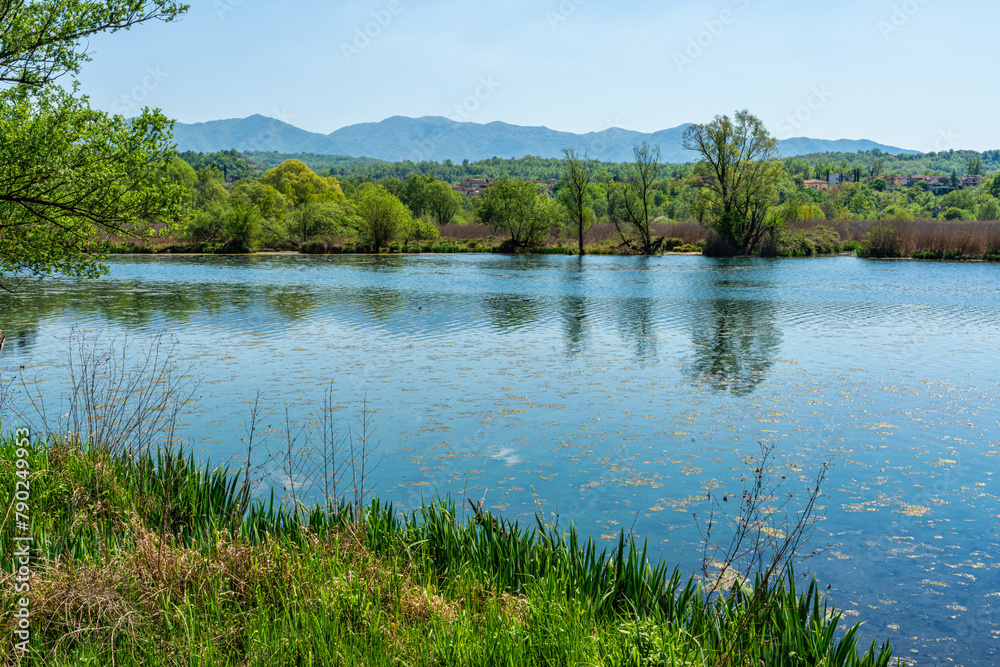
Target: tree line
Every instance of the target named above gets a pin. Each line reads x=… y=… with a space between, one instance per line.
x=72 y=177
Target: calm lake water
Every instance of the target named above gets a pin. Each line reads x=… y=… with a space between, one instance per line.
x=614 y=392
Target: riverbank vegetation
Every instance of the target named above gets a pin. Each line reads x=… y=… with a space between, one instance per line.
x=740 y=198
x=155 y=559
x=142 y=555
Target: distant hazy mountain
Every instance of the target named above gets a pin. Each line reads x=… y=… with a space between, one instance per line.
x=435 y=138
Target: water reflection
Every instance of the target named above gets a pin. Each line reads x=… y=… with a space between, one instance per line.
x=574 y=315
x=736 y=339
x=636 y=319
x=511 y=311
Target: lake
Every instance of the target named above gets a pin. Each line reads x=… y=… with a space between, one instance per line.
x=612 y=392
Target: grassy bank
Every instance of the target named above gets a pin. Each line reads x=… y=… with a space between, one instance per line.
x=139 y=561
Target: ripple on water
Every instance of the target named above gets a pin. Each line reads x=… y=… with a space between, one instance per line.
x=616 y=391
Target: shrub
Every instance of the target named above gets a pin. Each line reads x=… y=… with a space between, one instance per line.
x=881 y=241
x=820 y=240
x=422 y=229
x=957 y=214
x=719 y=246
x=313 y=248
x=243 y=227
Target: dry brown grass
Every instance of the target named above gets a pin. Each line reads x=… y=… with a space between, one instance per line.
x=977 y=237
x=601 y=234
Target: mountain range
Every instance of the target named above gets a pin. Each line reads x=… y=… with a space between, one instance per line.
x=434 y=138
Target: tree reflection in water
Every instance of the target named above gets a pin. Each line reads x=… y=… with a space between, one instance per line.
x=735 y=343
x=511 y=311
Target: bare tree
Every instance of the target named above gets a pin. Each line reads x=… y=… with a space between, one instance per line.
x=630 y=204
x=578 y=177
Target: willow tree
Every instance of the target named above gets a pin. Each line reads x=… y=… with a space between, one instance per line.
x=515 y=207
x=739 y=169
x=68 y=173
x=381 y=216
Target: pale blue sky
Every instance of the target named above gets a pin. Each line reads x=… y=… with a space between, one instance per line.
x=919 y=74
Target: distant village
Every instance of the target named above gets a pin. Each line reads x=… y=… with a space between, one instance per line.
x=893 y=181
x=473 y=187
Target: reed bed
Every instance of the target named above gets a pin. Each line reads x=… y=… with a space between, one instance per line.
x=926 y=238
x=155 y=559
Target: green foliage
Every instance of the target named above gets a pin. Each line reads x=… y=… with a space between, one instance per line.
x=515 y=208
x=575 y=193
x=319 y=217
x=421 y=229
x=881 y=241
x=313 y=248
x=819 y=240
x=989 y=210
x=134 y=554
x=232 y=164
x=69 y=173
x=955 y=213
x=631 y=203
x=442 y=202
x=243 y=229
x=381 y=216
x=739 y=169
x=302 y=185
x=898 y=213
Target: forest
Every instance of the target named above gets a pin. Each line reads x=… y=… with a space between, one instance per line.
x=239 y=202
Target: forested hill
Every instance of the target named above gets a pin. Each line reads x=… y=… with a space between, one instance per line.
x=437 y=139
x=235 y=165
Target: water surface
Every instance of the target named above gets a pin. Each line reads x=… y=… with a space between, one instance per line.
x=614 y=393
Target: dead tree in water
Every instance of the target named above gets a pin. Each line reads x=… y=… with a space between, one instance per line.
x=3 y=339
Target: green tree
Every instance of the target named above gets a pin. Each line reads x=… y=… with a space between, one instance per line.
x=68 y=173
x=243 y=229
x=316 y=218
x=382 y=216
x=575 y=192
x=974 y=167
x=514 y=207
x=443 y=203
x=300 y=184
x=739 y=170
x=876 y=168
x=415 y=193
x=989 y=210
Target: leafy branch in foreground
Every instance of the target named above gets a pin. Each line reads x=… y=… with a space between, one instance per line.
x=69 y=173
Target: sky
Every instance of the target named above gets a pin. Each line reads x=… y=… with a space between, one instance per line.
x=916 y=74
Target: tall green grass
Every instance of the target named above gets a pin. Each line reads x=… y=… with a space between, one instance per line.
x=152 y=560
